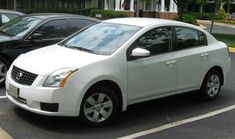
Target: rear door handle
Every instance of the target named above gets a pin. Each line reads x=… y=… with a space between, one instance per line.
x=171 y=62
x=204 y=54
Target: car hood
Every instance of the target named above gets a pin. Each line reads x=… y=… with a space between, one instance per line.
x=46 y=60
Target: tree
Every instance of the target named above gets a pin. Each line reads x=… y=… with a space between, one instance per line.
x=182 y=4
x=201 y=3
x=222 y=2
x=228 y=2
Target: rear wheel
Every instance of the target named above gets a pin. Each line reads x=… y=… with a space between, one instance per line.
x=4 y=66
x=100 y=106
x=211 y=85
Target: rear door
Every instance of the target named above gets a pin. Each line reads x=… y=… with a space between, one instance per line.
x=192 y=57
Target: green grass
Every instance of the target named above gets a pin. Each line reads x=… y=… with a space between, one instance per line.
x=229 y=39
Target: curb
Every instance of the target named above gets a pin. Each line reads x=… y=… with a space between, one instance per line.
x=231 y=49
x=4 y=134
x=216 y=23
x=202 y=26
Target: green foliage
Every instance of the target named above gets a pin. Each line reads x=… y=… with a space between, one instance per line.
x=58 y=10
x=191 y=19
x=228 y=1
x=182 y=4
x=201 y=2
x=107 y=14
x=204 y=16
x=221 y=15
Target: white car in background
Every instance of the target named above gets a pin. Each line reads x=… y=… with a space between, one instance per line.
x=99 y=71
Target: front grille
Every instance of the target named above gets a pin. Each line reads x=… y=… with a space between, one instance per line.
x=22 y=76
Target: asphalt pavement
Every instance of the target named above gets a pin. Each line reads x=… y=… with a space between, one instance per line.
x=21 y=124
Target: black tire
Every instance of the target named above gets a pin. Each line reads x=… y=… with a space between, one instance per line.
x=208 y=92
x=94 y=92
x=5 y=62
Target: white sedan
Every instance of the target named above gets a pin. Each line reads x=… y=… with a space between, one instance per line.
x=98 y=72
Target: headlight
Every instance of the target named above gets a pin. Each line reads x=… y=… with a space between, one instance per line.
x=58 y=78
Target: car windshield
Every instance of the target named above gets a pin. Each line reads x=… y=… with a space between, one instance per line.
x=20 y=26
x=102 y=38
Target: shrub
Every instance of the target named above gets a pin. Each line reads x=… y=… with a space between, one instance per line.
x=191 y=19
x=220 y=15
x=204 y=16
x=58 y=10
x=107 y=14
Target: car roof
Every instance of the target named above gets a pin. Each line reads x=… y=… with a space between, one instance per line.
x=46 y=16
x=144 y=22
x=10 y=12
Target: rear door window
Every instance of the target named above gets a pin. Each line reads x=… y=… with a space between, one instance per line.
x=78 y=24
x=57 y=28
x=188 y=38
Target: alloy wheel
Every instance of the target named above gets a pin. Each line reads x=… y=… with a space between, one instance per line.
x=3 y=71
x=213 y=85
x=98 y=107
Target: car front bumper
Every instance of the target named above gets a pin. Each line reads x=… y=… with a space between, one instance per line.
x=42 y=100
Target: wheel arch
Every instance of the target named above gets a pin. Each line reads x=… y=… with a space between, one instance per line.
x=7 y=57
x=217 y=68
x=112 y=85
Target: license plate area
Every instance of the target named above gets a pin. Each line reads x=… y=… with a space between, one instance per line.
x=13 y=91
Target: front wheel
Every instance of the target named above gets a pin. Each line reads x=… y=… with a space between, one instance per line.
x=211 y=85
x=99 y=106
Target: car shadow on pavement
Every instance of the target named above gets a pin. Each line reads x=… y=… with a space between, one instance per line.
x=151 y=113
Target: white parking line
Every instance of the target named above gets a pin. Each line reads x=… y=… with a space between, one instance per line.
x=178 y=123
x=3 y=97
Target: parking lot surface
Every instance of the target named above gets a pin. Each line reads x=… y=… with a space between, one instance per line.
x=20 y=124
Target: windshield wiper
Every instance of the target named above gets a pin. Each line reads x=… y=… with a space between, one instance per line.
x=82 y=49
x=63 y=44
x=5 y=33
x=78 y=48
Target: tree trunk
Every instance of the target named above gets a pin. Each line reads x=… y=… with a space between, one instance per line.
x=228 y=8
x=200 y=8
x=216 y=7
x=180 y=12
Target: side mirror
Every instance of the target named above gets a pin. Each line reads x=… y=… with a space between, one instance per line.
x=35 y=35
x=140 y=52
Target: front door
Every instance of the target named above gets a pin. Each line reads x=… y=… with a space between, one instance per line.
x=156 y=74
x=48 y=33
